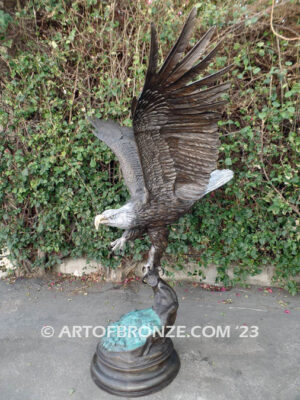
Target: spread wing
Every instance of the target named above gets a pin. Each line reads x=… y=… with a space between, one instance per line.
x=175 y=120
x=122 y=142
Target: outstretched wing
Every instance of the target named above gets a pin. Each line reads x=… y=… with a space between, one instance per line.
x=175 y=121
x=122 y=142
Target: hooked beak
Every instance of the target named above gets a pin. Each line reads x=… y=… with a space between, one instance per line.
x=100 y=219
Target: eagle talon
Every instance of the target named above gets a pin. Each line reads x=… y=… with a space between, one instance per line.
x=150 y=267
x=161 y=271
x=118 y=244
x=146 y=268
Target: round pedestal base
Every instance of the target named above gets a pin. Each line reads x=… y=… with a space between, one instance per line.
x=131 y=374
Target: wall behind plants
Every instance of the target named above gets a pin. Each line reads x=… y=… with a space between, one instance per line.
x=62 y=60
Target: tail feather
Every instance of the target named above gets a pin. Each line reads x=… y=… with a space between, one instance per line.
x=194 y=191
x=217 y=179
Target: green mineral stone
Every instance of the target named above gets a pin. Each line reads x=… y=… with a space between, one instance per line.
x=132 y=330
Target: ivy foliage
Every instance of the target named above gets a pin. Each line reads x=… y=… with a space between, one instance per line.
x=62 y=60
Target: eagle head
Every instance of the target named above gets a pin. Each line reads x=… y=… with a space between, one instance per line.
x=122 y=218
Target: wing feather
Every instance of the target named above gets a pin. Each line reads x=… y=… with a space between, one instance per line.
x=175 y=120
x=177 y=51
x=121 y=140
x=190 y=59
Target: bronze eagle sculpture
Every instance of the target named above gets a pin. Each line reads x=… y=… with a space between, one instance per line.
x=169 y=157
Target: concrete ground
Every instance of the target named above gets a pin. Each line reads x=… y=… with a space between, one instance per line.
x=33 y=367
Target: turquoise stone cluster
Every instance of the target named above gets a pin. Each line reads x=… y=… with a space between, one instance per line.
x=122 y=335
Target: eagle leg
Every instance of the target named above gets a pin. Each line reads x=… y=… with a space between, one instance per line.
x=159 y=239
x=129 y=234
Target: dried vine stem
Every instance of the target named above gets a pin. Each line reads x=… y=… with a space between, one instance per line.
x=293 y=207
x=273 y=29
